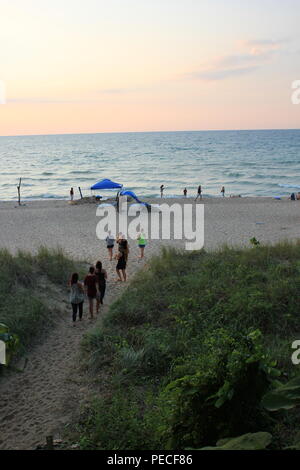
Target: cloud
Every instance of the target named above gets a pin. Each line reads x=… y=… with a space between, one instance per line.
x=254 y=55
x=91 y=97
x=267 y=43
x=121 y=91
x=31 y=100
x=260 y=47
x=221 y=74
x=115 y=91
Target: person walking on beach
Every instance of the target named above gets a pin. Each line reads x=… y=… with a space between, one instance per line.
x=162 y=190
x=71 y=194
x=123 y=246
x=122 y=261
x=118 y=201
x=76 y=297
x=223 y=191
x=141 y=243
x=110 y=241
x=185 y=192
x=199 y=192
x=90 y=284
x=101 y=280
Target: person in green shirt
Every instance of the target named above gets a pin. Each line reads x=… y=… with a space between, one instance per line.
x=141 y=243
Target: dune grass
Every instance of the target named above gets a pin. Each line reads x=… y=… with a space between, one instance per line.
x=192 y=346
x=22 y=279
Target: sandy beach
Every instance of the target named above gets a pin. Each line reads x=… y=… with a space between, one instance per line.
x=73 y=227
x=50 y=392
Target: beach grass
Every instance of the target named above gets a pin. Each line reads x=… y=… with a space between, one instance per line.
x=27 y=283
x=191 y=347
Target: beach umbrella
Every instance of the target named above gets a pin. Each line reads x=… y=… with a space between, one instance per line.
x=106 y=184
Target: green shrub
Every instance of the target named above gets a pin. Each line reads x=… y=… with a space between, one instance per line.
x=221 y=397
x=200 y=331
x=115 y=423
x=22 y=279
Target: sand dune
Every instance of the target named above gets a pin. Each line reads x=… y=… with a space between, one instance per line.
x=47 y=395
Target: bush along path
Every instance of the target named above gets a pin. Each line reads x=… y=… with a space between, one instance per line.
x=41 y=399
x=194 y=348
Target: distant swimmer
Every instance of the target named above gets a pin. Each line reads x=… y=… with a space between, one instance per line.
x=185 y=192
x=162 y=190
x=71 y=194
x=223 y=191
x=199 y=192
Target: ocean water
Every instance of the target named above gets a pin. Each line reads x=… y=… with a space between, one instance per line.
x=250 y=163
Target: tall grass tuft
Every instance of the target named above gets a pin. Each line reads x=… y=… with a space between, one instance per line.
x=22 y=279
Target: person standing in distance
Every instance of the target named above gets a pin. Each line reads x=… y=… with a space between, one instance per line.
x=110 y=241
x=199 y=193
x=142 y=242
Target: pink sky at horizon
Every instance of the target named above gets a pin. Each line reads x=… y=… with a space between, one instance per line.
x=148 y=66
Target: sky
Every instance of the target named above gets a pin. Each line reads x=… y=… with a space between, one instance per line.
x=85 y=66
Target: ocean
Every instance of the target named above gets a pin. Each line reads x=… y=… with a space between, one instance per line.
x=247 y=163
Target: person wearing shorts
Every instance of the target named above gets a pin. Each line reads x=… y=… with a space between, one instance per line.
x=110 y=242
x=121 y=266
x=76 y=297
x=141 y=243
x=101 y=280
x=90 y=284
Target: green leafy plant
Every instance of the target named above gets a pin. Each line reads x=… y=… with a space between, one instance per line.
x=200 y=332
x=254 y=242
x=250 y=441
x=284 y=397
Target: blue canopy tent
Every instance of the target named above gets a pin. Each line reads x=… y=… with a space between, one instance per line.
x=106 y=184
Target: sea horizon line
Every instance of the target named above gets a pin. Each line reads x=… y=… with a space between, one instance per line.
x=152 y=132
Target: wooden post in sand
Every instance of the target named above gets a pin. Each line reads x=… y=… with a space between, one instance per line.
x=19 y=191
x=80 y=192
x=49 y=443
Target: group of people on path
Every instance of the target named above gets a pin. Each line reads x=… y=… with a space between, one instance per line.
x=93 y=288
x=94 y=285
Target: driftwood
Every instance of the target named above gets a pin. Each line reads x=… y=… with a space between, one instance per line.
x=19 y=191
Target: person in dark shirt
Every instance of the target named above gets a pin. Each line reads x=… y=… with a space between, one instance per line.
x=199 y=192
x=90 y=283
x=101 y=281
x=122 y=258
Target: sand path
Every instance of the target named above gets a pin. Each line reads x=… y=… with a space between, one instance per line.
x=46 y=396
